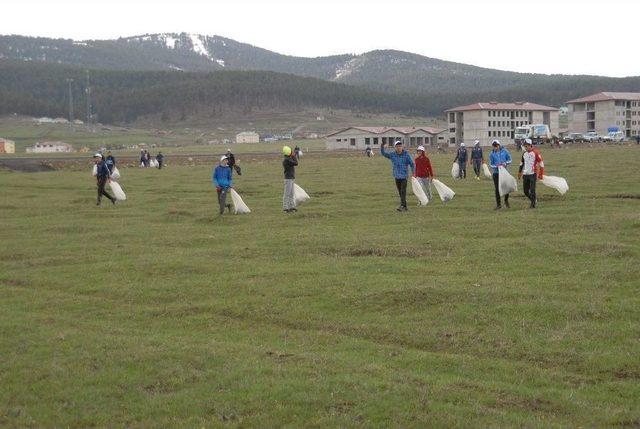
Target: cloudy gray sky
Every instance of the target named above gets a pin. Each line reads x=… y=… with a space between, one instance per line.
x=542 y=36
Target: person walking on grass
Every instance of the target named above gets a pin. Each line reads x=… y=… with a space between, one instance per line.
x=160 y=159
x=289 y=164
x=110 y=161
x=222 y=180
x=477 y=158
x=400 y=161
x=424 y=171
x=531 y=167
x=499 y=157
x=102 y=177
x=461 y=159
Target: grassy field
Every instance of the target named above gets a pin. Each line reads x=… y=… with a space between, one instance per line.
x=159 y=313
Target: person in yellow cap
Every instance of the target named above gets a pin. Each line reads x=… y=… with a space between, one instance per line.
x=289 y=164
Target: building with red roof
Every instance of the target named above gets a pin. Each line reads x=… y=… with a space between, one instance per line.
x=359 y=138
x=604 y=112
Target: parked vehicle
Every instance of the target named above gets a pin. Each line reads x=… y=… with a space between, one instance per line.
x=573 y=138
x=614 y=136
x=592 y=136
x=539 y=133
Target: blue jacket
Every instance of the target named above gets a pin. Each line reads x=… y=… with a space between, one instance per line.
x=499 y=157
x=476 y=153
x=461 y=155
x=399 y=163
x=222 y=176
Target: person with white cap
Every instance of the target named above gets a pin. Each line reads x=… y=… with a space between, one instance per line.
x=477 y=158
x=499 y=157
x=424 y=171
x=400 y=161
x=461 y=159
x=221 y=178
x=531 y=167
x=289 y=165
x=102 y=176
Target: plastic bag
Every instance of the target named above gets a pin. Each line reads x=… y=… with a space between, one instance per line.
x=300 y=195
x=141 y=164
x=419 y=192
x=486 y=171
x=445 y=192
x=506 y=182
x=115 y=174
x=95 y=170
x=558 y=183
x=239 y=207
x=455 y=170
x=117 y=191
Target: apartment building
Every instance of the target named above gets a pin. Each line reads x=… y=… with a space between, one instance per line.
x=496 y=121
x=604 y=112
x=358 y=138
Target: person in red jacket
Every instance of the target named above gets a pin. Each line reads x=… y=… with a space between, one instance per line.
x=424 y=171
x=531 y=167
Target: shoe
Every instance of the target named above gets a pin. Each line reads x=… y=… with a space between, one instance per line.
x=506 y=204
x=477 y=177
x=399 y=209
x=114 y=201
x=293 y=210
x=98 y=203
x=405 y=209
x=498 y=207
x=229 y=207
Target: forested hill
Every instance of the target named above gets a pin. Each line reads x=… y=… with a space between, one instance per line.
x=381 y=70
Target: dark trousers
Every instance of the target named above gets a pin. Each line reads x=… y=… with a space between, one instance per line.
x=101 y=184
x=159 y=165
x=529 y=186
x=401 y=184
x=477 y=164
x=496 y=184
x=222 y=198
x=463 y=169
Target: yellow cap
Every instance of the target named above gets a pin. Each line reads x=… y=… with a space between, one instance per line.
x=286 y=150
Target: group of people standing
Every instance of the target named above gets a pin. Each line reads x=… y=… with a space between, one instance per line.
x=146 y=157
x=531 y=169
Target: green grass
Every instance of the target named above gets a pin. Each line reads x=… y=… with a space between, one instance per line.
x=159 y=313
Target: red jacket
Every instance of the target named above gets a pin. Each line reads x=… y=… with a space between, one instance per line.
x=423 y=166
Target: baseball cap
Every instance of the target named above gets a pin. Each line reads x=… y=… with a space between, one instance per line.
x=398 y=142
x=495 y=143
x=97 y=155
x=527 y=141
x=462 y=144
x=223 y=157
x=421 y=148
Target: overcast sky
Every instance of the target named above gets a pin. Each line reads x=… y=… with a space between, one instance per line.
x=542 y=36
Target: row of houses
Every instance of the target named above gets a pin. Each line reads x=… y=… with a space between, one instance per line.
x=602 y=112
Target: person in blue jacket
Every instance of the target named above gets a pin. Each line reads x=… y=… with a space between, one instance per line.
x=222 y=179
x=499 y=157
x=400 y=161
x=461 y=159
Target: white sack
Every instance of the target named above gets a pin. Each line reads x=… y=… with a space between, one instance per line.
x=486 y=171
x=95 y=170
x=155 y=163
x=141 y=164
x=419 y=192
x=506 y=182
x=239 y=207
x=445 y=192
x=455 y=170
x=558 y=183
x=117 y=191
x=115 y=174
x=300 y=195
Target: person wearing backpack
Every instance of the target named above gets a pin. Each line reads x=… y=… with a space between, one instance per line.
x=222 y=179
x=289 y=165
x=424 y=171
x=461 y=159
x=499 y=157
x=400 y=161
x=531 y=167
x=477 y=158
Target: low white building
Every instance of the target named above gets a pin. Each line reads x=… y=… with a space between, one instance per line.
x=50 y=147
x=248 y=137
x=7 y=146
x=358 y=138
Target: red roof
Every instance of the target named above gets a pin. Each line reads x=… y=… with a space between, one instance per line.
x=502 y=106
x=605 y=96
x=381 y=130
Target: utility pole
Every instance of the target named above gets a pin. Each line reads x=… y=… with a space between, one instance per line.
x=88 y=93
x=70 y=82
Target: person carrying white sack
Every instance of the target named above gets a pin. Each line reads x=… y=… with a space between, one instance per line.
x=289 y=165
x=102 y=178
x=531 y=167
x=499 y=157
x=424 y=171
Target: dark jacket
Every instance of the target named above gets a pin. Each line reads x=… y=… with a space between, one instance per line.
x=289 y=163
x=111 y=162
x=103 y=172
x=159 y=157
x=461 y=155
x=476 y=153
x=232 y=159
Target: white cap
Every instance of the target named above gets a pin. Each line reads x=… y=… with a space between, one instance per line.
x=462 y=144
x=223 y=157
x=477 y=142
x=397 y=143
x=421 y=148
x=97 y=155
x=527 y=141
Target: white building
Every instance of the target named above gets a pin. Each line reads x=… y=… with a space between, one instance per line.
x=497 y=121
x=7 y=146
x=358 y=138
x=248 y=137
x=604 y=111
x=50 y=147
